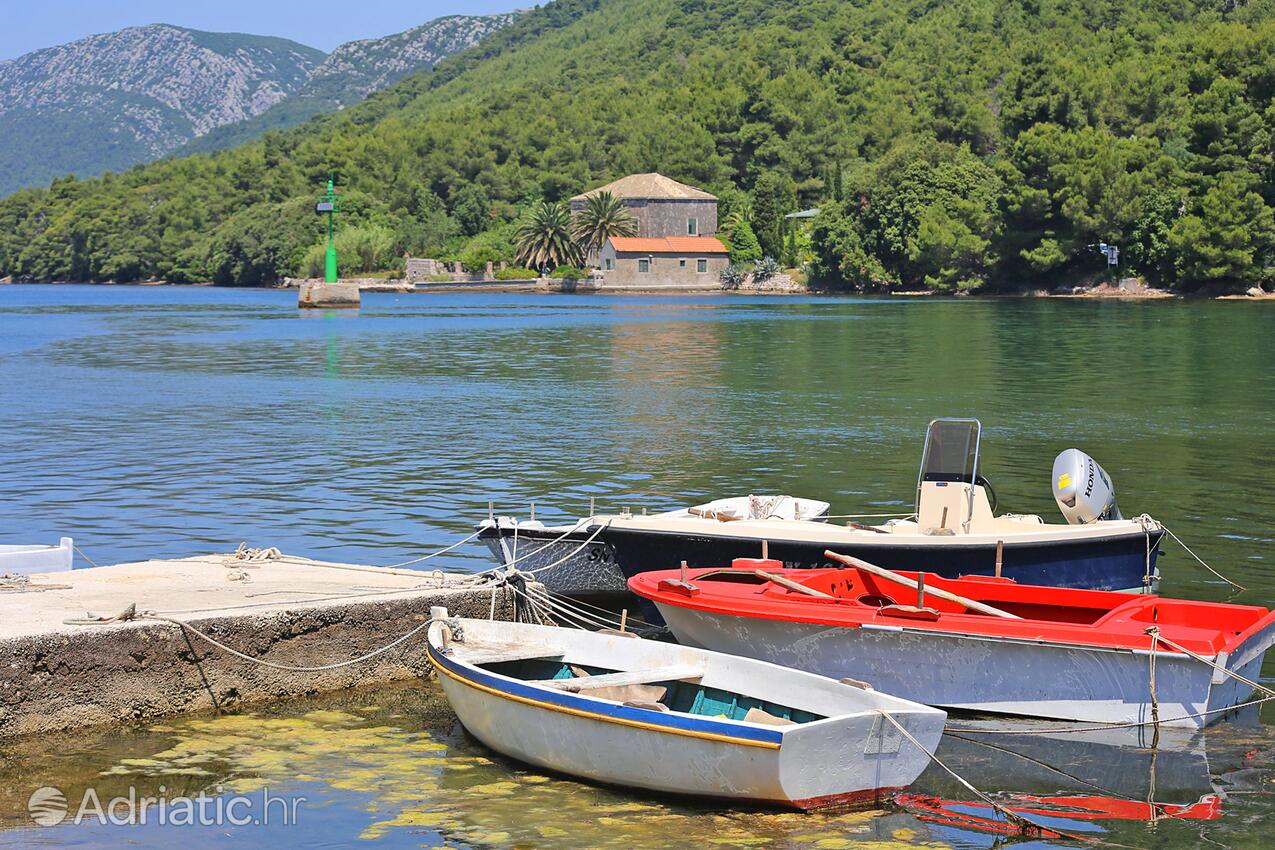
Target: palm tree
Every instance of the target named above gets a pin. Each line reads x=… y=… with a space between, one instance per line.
x=603 y=216
x=543 y=239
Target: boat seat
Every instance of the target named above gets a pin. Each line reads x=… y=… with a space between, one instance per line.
x=495 y=653
x=628 y=677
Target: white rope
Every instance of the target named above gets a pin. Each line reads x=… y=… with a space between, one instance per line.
x=1260 y=688
x=565 y=611
x=92 y=563
x=581 y=603
x=148 y=615
x=579 y=524
x=564 y=559
x=1198 y=559
x=435 y=554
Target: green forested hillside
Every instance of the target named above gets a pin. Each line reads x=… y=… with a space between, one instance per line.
x=960 y=143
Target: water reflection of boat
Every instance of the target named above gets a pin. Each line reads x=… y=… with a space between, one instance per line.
x=953 y=531
x=1068 y=782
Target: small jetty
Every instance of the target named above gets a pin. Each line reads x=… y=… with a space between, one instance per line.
x=142 y=640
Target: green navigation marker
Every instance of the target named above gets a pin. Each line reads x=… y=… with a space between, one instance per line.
x=328 y=204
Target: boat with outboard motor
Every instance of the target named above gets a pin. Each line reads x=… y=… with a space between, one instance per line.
x=977 y=643
x=614 y=708
x=954 y=530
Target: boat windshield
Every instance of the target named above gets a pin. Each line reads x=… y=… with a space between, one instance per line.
x=951 y=450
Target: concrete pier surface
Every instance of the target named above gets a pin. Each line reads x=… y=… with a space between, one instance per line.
x=296 y=612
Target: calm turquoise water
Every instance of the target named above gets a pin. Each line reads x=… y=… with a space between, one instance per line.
x=152 y=422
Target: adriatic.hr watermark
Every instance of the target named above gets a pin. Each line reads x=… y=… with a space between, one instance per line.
x=49 y=807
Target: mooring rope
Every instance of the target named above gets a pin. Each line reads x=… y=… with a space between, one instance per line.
x=145 y=615
x=1025 y=825
x=561 y=560
x=1260 y=688
x=1197 y=558
x=92 y=563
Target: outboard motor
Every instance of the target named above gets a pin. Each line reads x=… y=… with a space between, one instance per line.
x=1082 y=489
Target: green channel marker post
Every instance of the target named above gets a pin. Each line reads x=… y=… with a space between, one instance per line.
x=327 y=204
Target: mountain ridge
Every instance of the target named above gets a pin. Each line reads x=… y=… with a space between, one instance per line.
x=114 y=99
x=355 y=70
x=110 y=101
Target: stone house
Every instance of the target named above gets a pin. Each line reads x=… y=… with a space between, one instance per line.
x=669 y=262
x=674 y=246
x=661 y=205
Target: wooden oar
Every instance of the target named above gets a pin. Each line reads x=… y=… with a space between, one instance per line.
x=888 y=575
x=791 y=585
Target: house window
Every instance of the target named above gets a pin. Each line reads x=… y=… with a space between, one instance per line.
x=692 y=227
x=610 y=263
x=681 y=264
x=644 y=266
x=701 y=265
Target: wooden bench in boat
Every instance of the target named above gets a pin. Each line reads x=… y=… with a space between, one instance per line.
x=474 y=652
x=627 y=677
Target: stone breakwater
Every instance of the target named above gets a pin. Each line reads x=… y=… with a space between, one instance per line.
x=296 y=612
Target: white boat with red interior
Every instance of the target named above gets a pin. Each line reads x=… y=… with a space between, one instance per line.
x=977 y=643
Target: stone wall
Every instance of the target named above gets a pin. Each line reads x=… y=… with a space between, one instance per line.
x=144 y=670
x=425 y=270
x=667 y=271
x=667 y=217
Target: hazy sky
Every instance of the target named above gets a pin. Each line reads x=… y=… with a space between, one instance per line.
x=319 y=23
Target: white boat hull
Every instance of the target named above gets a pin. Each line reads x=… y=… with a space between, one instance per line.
x=956 y=671
x=29 y=560
x=841 y=760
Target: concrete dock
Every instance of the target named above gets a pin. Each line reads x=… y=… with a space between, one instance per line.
x=296 y=612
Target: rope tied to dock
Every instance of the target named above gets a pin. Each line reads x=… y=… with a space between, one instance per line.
x=244 y=553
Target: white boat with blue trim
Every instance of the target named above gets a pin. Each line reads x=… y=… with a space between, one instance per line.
x=620 y=710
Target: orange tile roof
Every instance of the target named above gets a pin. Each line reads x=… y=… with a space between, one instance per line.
x=668 y=245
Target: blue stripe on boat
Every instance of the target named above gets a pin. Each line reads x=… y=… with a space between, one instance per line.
x=673 y=720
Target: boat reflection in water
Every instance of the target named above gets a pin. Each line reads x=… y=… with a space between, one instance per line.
x=1074 y=782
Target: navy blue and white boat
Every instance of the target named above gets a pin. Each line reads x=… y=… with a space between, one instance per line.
x=953 y=531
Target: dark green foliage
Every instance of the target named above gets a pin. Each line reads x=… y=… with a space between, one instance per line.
x=1227 y=239
x=567 y=273
x=472 y=209
x=774 y=196
x=491 y=246
x=516 y=273
x=744 y=247
x=952 y=145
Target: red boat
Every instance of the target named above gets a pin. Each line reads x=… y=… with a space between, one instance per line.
x=977 y=643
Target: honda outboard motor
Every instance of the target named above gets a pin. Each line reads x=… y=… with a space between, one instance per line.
x=1082 y=489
